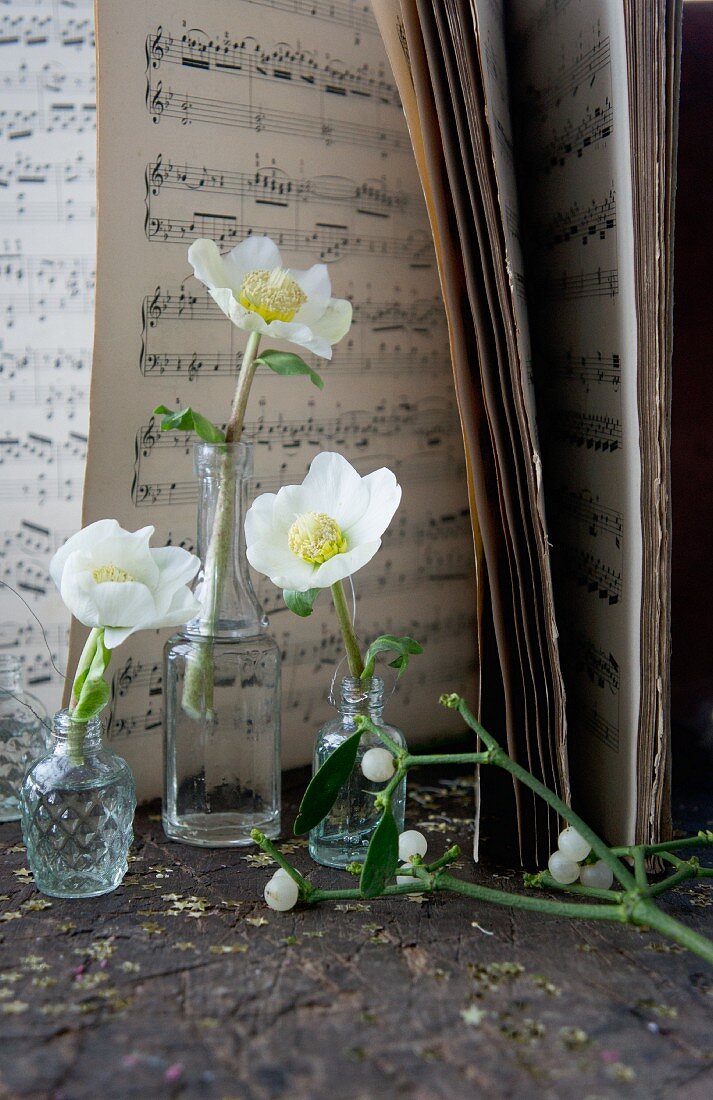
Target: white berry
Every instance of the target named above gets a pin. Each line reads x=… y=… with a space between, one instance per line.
x=281 y=893
x=562 y=869
x=378 y=765
x=412 y=843
x=572 y=845
x=599 y=875
x=282 y=873
x=405 y=880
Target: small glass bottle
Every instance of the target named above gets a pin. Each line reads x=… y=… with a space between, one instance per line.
x=77 y=804
x=24 y=734
x=222 y=677
x=343 y=836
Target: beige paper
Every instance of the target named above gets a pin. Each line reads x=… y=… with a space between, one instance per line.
x=246 y=116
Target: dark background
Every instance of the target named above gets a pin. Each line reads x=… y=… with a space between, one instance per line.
x=692 y=446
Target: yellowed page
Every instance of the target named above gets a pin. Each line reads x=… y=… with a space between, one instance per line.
x=279 y=118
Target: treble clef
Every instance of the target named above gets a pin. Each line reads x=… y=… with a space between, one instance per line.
x=157 y=50
x=156 y=103
x=157 y=177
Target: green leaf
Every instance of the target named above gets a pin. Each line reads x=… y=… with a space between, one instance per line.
x=326 y=784
x=382 y=857
x=188 y=420
x=287 y=363
x=399 y=644
x=301 y=602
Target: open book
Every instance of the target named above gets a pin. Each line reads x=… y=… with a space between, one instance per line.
x=541 y=133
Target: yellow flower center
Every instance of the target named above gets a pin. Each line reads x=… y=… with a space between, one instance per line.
x=104 y=573
x=316 y=537
x=273 y=294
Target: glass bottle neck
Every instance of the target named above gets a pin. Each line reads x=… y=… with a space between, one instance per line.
x=67 y=732
x=10 y=674
x=223 y=586
x=362 y=697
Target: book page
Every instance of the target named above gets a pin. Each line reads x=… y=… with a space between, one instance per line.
x=282 y=118
x=569 y=75
x=47 y=211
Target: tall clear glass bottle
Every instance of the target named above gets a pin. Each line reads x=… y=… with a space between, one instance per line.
x=222 y=679
x=343 y=836
x=24 y=734
x=77 y=804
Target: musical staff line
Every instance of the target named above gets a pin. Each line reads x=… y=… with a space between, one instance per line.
x=248 y=59
x=596 y=126
x=587 y=284
x=598 y=219
x=594 y=431
x=219 y=364
x=591 y=514
x=275 y=187
x=591 y=368
x=591 y=573
x=165 y=102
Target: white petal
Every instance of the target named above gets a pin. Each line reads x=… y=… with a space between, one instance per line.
x=85 y=540
x=344 y=565
x=182 y=608
x=124 y=603
x=334 y=486
x=335 y=322
x=129 y=551
x=252 y=254
x=176 y=566
x=384 y=498
x=115 y=635
x=282 y=566
x=302 y=335
x=317 y=286
x=208 y=264
x=77 y=591
x=315 y=281
x=259 y=519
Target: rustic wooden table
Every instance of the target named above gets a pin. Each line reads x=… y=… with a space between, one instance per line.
x=183 y=984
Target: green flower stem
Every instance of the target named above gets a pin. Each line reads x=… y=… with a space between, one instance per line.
x=450 y=758
x=701 y=840
x=545 y=879
x=197 y=697
x=83 y=665
x=690 y=870
x=306 y=888
x=234 y=428
x=502 y=760
x=640 y=868
x=648 y=915
x=356 y=664
x=355 y=894
x=383 y=798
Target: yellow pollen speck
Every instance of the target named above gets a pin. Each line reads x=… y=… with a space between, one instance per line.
x=273 y=294
x=316 y=537
x=104 y=573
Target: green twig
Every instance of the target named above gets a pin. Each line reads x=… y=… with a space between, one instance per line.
x=356 y=664
x=306 y=888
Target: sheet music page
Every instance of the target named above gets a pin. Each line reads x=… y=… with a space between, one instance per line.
x=570 y=79
x=47 y=246
x=281 y=118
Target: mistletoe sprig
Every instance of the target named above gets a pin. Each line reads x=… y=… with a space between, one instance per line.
x=632 y=901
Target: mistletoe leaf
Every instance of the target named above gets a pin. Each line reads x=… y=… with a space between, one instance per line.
x=325 y=785
x=382 y=857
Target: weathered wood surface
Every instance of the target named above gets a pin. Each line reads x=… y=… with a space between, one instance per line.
x=183 y=984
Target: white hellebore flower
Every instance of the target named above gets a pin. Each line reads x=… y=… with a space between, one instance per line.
x=111 y=578
x=314 y=534
x=259 y=294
